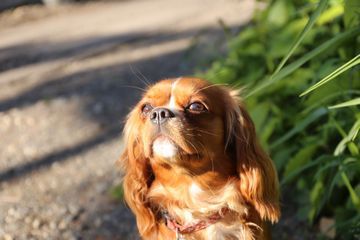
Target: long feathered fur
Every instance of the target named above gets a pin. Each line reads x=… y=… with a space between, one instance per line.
x=258 y=179
x=252 y=195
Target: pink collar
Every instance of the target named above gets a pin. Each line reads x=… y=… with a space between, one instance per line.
x=172 y=224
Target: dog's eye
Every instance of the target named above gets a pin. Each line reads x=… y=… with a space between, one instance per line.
x=196 y=107
x=146 y=108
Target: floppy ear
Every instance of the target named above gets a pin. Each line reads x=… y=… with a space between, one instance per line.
x=258 y=179
x=138 y=177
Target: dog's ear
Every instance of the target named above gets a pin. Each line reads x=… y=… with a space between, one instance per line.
x=138 y=177
x=258 y=180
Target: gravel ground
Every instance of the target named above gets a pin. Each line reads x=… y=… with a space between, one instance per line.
x=68 y=76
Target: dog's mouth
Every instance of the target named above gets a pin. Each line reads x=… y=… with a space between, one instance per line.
x=163 y=146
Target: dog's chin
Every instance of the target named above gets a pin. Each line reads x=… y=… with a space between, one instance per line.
x=164 y=147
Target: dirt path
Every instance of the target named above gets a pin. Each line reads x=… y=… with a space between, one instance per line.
x=67 y=79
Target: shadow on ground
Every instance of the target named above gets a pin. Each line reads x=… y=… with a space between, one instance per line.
x=107 y=94
x=26 y=54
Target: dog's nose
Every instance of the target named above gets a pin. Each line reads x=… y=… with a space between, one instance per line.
x=161 y=115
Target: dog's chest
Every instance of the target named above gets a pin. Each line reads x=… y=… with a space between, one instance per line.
x=190 y=204
x=236 y=230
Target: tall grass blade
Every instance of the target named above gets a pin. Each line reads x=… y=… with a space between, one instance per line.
x=308 y=26
x=349 y=34
x=352 y=102
x=354 y=197
x=351 y=63
x=317 y=161
x=351 y=14
x=348 y=138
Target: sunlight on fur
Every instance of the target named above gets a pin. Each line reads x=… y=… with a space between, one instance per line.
x=197 y=168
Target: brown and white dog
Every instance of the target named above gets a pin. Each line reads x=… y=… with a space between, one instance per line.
x=193 y=167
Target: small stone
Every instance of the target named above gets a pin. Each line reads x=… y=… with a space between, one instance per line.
x=61 y=210
x=73 y=209
x=68 y=235
x=52 y=225
x=62 y=225
x=53 y=184
x=100 y=173
x=27 y=220
x=98 y=222
x=36 y=224
x=11 y=149
x=30 y=121
x=101 y=188
x=107 y=218
x=7 y=237
x=11 y=212
x=98 y=108
x=5 y=122
x=326 y=227
x=29 y=151
x=45 y=235
x=17 y=121
x=9 y=219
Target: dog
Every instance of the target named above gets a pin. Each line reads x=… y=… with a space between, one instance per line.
x=193 y=168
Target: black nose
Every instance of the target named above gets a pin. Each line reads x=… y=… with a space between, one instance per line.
x=160 y=115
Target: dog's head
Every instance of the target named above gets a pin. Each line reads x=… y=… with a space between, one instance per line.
x=198 y=127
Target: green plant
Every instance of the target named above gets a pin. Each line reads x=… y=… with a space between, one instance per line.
x=289 y=47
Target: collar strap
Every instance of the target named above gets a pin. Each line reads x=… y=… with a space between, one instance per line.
x=172 y=224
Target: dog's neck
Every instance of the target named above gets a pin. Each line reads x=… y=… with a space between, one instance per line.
x=213 y=171
x=191 y=198
x=186 y=196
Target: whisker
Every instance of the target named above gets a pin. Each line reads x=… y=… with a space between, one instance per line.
x=212 y=85
x=143 y=76
x=212 y=160
x=143 y=80
x=212 y=167
x=197 y=151
x=206 y=151
x=135 y=87
x=203 y=131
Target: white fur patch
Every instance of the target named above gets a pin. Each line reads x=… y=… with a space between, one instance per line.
x=195 y=190
x=164 y=147
x=172 y=102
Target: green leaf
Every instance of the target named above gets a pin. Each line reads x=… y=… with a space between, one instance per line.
x=353 y=62
x=329 y=190
x=279 y=13
x=282 y=157
x=350 y=137
x=315 y=104
x=353 y=149
x=315 y=197
x=268 y=129
x=302 y=35
x=339 y=38
x=325 y=168
x=349 y=103
x=354 y=197
x=300 y=159
x=345 y=219
x=352 y=13
x=259 y=113
x=330 y=14
x=300 y=126
x=297 y=172
x=117 y=192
